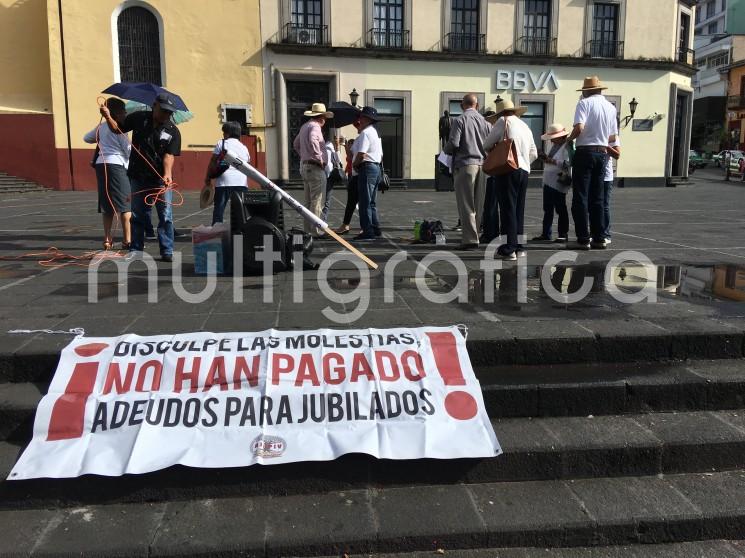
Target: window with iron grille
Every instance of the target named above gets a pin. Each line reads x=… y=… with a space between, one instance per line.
x=307 y=13
x=139 y=46
x=464 y=25
x=388 y=23
x=605 y=30
x=536 y=26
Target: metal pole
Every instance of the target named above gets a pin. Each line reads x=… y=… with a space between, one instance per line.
x=304 y=212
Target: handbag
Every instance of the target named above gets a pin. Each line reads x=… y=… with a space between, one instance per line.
x=218 y=168
x=502 y=159
x=384 y=184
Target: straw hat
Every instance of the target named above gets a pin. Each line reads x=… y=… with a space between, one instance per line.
x=555 y=131
x=318 y=109
x=509 y=105
x=206 y=196
x=592 y=82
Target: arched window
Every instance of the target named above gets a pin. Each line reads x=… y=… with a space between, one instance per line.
x=139 y=45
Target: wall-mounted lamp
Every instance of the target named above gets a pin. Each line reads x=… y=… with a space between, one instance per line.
x=632 y=110
x=353 y=96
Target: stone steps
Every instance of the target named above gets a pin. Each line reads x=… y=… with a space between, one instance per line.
x=14 y=185
x=577 y=513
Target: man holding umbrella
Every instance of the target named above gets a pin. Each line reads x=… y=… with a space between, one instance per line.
x=156 y=141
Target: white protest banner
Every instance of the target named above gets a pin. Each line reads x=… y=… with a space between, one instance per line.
x=137 y=404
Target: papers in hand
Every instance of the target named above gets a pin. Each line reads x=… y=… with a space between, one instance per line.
x=445 y=159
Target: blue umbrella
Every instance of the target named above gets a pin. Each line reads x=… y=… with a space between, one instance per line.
x=144 y=93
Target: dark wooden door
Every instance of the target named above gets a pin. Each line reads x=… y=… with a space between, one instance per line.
x=300 y=96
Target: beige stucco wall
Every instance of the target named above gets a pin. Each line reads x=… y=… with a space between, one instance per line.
x=570 y=41
x=649 y=27
x=426 y=33
x=500 y=31
x=348 y=26
x=204 y=67
x=24 y=57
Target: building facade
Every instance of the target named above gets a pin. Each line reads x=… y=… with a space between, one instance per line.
x=413 y=60
x=719 y=41
x=65 y=52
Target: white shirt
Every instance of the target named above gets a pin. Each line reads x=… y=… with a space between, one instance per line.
x=609 y=167
x=599 y=118
x=519 y=132
x=232 y=176
x=332 y=158
x=551 y=171
x=368 y=142
x=114 y=149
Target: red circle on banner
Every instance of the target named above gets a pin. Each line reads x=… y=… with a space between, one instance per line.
x=90 y=349
x=461 y=405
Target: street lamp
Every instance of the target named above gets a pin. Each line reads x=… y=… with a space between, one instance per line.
x=353 y=96
x=632 y=110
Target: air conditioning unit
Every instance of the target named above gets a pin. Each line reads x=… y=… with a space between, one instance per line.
x=306 y=36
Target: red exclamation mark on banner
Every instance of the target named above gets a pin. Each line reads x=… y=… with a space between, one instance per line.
x=68 y=413
x=459 y=404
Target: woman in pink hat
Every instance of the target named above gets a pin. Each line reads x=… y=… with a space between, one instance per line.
x=557 y=181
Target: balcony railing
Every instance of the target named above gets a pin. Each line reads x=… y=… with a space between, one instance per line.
x=536 y=46
x=300 y=34
x=464 y=42
x=387 y=38
x=736 y=102
x=686 y=56
x=604 y=49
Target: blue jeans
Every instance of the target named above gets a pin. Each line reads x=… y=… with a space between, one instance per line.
x=555 y=201
x=367 y=180
x=491 y=211
x=607 y=192
x=140 y=212
x=588 y=171
x=222 y=197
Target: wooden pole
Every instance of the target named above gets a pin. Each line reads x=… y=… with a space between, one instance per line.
x=351 y=248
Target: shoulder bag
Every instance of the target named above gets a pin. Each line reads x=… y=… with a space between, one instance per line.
x=502 y=159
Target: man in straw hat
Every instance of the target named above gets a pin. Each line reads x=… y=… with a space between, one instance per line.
x=595 y=128
x=466 y=145
x=311 y=147
x=512 y=187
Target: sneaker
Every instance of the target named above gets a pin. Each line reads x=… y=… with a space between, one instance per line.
x=363 y=238
x=607 y=241
x=541 y=238
x=580 y=245
x=521 y=253
x=561 y=240
x=599 y=245
x=511 y=257
x=378 y=233
x=151 y=236
x=166 y=258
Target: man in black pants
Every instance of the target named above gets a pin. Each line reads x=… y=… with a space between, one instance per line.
x=595 y=128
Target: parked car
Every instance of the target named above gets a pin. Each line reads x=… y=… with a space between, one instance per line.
x=720 y=157
x=696 y=160
x=734 y=160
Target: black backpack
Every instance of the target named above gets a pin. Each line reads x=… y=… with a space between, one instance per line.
x=428 y=231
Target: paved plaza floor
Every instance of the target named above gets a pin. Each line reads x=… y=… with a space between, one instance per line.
x=692 y=234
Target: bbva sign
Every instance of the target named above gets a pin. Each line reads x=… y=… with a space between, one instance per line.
x=524 y=80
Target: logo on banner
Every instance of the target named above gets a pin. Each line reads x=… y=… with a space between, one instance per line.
x=268 y=446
